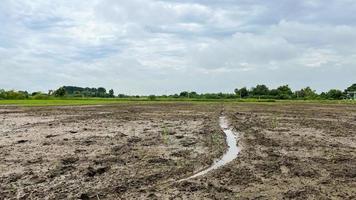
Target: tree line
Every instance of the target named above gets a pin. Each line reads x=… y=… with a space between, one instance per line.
x=258 y=92
x=62 y=92
x=263 y=92
x=285 y=92
x=73 y=91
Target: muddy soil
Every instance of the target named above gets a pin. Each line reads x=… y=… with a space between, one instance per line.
x=289 y=151
x=106 y=152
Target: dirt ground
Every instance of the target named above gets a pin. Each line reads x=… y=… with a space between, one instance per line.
x=139 y=151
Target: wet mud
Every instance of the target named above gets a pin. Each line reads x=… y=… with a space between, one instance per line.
x=140 y=151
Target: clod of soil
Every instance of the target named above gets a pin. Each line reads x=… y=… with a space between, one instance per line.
x=21 y=141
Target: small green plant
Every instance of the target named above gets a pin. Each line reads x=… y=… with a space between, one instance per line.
x=164 y=135
x=274 y=122
x=215 y=139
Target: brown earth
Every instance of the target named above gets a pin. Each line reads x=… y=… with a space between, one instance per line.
x=139 y=151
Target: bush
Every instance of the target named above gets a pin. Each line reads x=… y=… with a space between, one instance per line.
x=152 y=97
x=13 y=95
x=40 y=96
x=334 y=94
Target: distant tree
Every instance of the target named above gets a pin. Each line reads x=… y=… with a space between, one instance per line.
x=101 y=92
x=2 y=94
x=184 y=94
x=12 y=95
x=24 y=94
x=284 y=92
x=237 y=93
x=351 y=88
x=274 y=93
x=78 y=94
x=243 y=92
x=60 y=92
x=306 y=93
x=334 y=94
x=193 y=95
x=40 y=95
x=73 y=90
x=35 y=93
x=260 y=90
x=152 y=97
x=323 y=95
x=111 y=93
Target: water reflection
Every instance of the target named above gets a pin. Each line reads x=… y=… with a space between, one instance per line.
x=231 y=153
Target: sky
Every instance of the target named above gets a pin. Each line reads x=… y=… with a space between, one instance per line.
x=168 y=46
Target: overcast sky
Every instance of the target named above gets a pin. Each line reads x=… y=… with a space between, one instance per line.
x=155 y=47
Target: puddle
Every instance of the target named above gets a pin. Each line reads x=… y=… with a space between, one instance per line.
x=231 y=153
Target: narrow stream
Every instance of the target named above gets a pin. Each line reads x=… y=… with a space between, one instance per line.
x=231 y=153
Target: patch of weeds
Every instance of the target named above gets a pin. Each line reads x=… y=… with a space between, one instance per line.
x=164 y=135
x=215 y=140
x=274 y=122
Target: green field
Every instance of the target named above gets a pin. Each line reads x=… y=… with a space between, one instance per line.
x=104 y=101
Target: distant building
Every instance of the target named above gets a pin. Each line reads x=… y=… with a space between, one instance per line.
x=352 y=95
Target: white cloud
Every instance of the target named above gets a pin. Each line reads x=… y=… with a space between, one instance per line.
x=153 y=46
x=318 y=58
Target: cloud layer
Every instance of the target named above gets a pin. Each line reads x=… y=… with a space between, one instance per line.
x=151 y=46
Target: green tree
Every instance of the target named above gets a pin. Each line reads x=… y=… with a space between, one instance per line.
x=184 y=94
x=78 y=94
x=193 y=95
x=111 y=93
x=284 y=92
x=352 y=88
x=40 y=95
x=334 y=94
x=2 y=94
x=243 y=92
x=24 y=94
x=237 y=91
x=101 y=92
x=12 y=95
x=323 y=95
x=306 y=93
x=60 y=92
x=260 y=90
x=274 y=93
